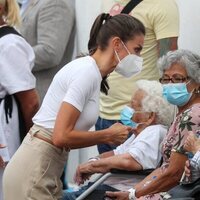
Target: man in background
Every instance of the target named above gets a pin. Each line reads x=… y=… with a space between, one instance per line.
x=47 y=25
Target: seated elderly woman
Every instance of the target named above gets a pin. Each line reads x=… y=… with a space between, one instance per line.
x=149 y=116
x=190 y=181
x=180 y=72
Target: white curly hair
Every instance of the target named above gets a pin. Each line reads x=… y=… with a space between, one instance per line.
x=155 y=102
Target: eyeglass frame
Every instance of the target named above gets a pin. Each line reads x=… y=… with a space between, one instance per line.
x=171 y=79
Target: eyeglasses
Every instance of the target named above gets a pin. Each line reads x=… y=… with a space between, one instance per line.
x=176 y=78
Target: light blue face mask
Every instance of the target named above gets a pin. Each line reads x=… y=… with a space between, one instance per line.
x=126 y=117
x=176 y=93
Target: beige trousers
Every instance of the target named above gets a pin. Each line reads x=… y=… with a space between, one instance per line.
x=35 y=169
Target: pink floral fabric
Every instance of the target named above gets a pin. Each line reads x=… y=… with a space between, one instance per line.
x=189 y=120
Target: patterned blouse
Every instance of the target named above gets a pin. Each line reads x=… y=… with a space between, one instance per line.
x=189 y=120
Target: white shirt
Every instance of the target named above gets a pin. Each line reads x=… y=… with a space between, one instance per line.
x=16 y=63
x=146 y=147
x=77 y=83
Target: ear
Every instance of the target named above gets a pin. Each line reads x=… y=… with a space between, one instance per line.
x=151 y=119
x=116 y=43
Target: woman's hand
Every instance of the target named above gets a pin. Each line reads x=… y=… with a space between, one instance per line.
x=2 y=163
x=187 y=168
x=122 y=195
x=192 y=143
x=118 y=133
x=83 y=173
x=2 y=146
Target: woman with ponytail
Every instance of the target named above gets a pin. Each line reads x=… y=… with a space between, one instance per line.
x=71 y=107
x=18 y=98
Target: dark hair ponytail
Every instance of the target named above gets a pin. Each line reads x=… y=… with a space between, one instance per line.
x=92 y=44
x=105 y=26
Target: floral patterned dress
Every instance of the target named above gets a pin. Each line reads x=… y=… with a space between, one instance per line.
x=189 y=120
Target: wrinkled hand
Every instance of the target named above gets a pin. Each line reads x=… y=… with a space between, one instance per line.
x=118 y=133
x=122 y=195
x=192 y=143
x=83 y=173
x=2 y=146
x=187 y=168
x=2 y=163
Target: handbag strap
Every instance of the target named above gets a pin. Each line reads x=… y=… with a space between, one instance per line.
x=130 y=5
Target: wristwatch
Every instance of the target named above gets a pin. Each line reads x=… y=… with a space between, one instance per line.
x=131 y=195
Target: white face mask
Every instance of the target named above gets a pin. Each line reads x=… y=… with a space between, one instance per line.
x=130 y=65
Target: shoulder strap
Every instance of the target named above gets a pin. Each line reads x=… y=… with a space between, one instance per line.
x=130 y=5
x=8 y=30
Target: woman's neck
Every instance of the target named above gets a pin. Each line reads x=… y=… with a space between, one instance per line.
x=104 y=62
x=194 y=100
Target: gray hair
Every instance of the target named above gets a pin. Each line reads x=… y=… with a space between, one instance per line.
x=155 y=102
x=190 y=61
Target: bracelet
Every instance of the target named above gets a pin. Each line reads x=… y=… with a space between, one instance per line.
x=131 y=195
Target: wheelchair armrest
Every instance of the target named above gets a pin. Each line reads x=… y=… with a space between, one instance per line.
x=139 y=172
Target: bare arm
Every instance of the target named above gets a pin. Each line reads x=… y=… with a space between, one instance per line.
x=55 y=22
x=29 y=104
x=166 y=44
x=123 y=161
x=166 y=179
x=64 y=133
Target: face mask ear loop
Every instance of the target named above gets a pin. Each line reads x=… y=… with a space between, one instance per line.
x=125 y=47
x=117 y=56
x=187 y=84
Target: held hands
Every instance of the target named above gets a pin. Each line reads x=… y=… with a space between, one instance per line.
x=83 y=173
x=118 y=133
x=192 y=143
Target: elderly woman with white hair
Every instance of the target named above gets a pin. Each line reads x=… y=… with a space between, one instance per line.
x=180 y=76
x=149 y=115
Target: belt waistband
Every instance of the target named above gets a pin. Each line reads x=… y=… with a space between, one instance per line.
x=45 y=135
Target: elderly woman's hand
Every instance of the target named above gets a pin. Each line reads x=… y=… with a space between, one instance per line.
x=118 y=133
x=122 y=195
x=83 y=173
x=192 y=143
x=187 y=168
x=2 y=163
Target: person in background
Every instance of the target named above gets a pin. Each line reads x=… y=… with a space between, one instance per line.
x=180 y=76
x=70 y=108
x=161 y=21
x=149 y=116
x=48 y=27
x=18 y=98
